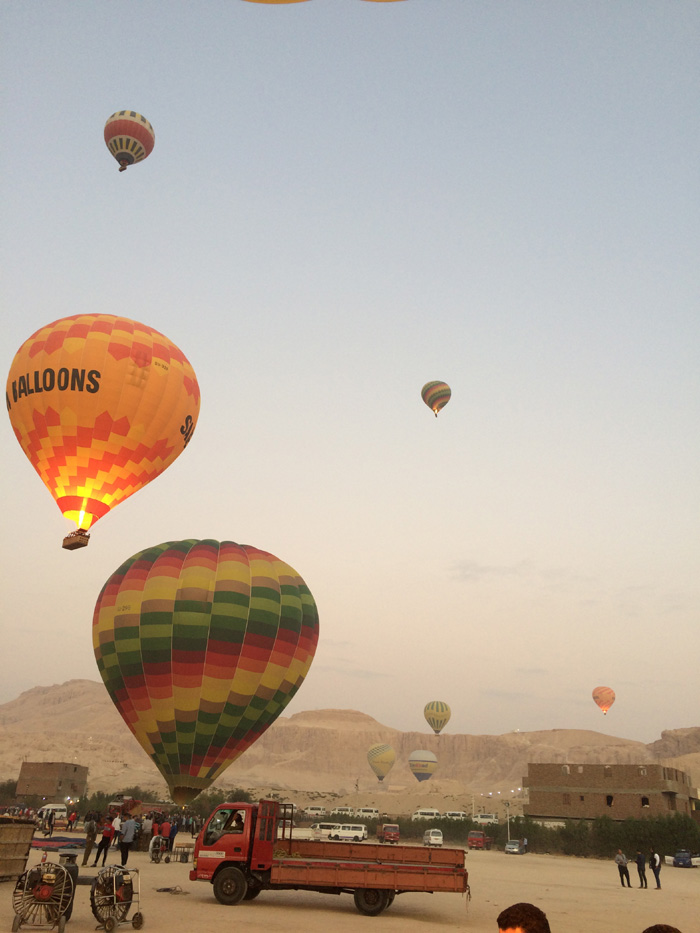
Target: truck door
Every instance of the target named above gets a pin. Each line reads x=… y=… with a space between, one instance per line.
x=265 y=832
x=226 y=836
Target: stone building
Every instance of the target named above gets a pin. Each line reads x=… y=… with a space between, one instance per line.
x=584 y=792
x=54 y=781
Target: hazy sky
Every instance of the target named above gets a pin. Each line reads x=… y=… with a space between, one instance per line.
x=345 y=201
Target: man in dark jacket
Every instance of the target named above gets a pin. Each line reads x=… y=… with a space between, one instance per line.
x=655 y=865
x=641 y=868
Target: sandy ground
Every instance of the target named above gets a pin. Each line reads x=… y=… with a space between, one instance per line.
x=578 y=895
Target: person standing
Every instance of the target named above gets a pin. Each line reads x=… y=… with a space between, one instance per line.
x=117 y=825
x=171 y=835
x=72 y=820
x=641 y=868
x=126 y=839
x=50 y=819
x=621 y=862
x=655 y=865
x=146 y=830
x=90 y=826
x=105 y=842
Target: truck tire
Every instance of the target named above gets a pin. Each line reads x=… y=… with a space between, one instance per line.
x=371 y=901
x=251 y=894
x=390 y=898
x=230 y=886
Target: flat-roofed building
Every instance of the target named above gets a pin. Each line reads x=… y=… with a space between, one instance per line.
x=584 y=792
x=54 y=781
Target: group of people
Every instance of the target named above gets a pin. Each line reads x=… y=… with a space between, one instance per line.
x=622 y=861
x=526 y=918
x=120 y=831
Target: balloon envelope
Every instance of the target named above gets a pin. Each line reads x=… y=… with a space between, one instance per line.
x=436 y=395
x=201 y=645
x=129 y=137
x=604 y=697
x=437 y=715
x=101 y=405
x=381 y=758
x=422 y=764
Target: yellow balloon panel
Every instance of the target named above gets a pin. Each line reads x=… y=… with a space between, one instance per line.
x=101 y=405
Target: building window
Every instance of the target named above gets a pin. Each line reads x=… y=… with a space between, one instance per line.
x=580 y=769
x=643 y=772
x=567 y=800
x=565 y=769
x=607 y=771
x=645 y=801
x=609 y=800
x=581 y=798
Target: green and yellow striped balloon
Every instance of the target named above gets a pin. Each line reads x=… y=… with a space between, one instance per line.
x=437 y=715
x=201 y=645
x=436 y=395
x=381 y=758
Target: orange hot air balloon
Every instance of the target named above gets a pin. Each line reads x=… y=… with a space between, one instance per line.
x=101 y=405
x=604 y=697
x=129 y=137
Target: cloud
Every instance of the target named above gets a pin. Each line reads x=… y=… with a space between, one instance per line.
x=358 y=673
x=472 y=571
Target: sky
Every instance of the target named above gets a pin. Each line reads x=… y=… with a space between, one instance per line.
x=345 y=201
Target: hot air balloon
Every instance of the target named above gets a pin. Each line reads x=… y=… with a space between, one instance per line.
x=437 y=715
x=422 y=764
x=201 y=645
x=101 y=405
x=129 y=137
x=381 y=758
x=436 y=395
x=604 y=697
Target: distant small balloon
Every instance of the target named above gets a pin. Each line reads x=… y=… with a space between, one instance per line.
x=604 y=697
x=437 y=715
x=436 y=395
x=129 y=137
x=381 y=758
x=422 y=763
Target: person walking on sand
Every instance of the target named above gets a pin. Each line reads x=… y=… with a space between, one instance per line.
x=640 y=862
x=90 y=827
x=621 y=862
x=105 y=841
x=655 y=865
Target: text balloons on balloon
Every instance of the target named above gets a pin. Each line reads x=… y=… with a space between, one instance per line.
x=101 y=405
x=436 y=395
x=129 y=137
x=381 y=758
x=604 y=697
x=201 y=645
x=437 y=715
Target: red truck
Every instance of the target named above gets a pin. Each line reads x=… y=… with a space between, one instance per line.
x=476 y=839
x=389 y=832
x=246 y=848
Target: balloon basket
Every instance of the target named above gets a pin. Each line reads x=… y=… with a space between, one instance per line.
x=75 y=540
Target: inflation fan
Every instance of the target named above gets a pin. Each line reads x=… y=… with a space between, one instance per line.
x=42 y=897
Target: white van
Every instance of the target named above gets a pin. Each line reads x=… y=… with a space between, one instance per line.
x=59 y=811
x=349 y=832
x=323 y=830
x=485 y=819
x=343 y=811
x=367 y=813
x=315 y=812
x=426 y=814
x=455 y=815
x=432 y=837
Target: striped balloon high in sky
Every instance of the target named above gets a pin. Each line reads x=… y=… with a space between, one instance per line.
x=422 y=763
x=437 y=715
x=201 y=645
x=129 y=137
x=436 y=395
x=381 y=758
x=604 y=697
x=101 y=405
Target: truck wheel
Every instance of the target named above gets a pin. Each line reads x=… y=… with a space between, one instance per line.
x=230 y=886
x=251 y=894
x=390 y=898
x=371 y=901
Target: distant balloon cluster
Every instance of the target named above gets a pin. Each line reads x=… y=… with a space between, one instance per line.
x=422 y=764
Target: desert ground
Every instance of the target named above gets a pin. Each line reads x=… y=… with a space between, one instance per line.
x=578 y=895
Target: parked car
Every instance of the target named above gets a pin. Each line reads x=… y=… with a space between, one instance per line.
x=683 y=859
x=324 y=830
x=349 y=832
x=455 y=815
x=426 y=814
x=432 y=837
x=343 y=811
x=514 y=847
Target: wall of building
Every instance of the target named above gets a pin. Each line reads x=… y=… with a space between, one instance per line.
x=621 y=792
x=52 y=780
